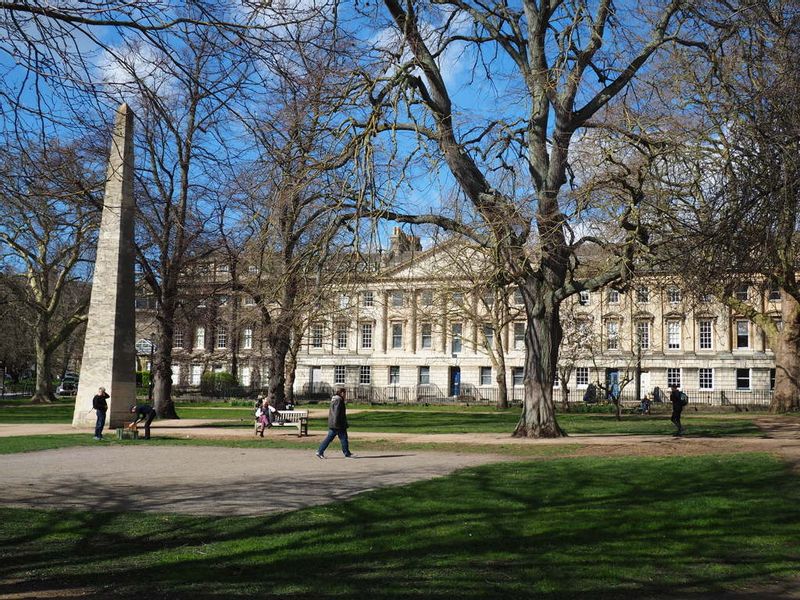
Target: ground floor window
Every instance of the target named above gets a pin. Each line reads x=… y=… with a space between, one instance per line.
x=706 y=379
x=517 y=376
x=582 y=376
x=673 y=377
x=244 y=376
x=772 y=379
x=486 y=375
x=742 y=379
x=176 y=374
x=394 y=375
x=424 y=375
x=197 y=373
x=365 y=375
x=339 y=374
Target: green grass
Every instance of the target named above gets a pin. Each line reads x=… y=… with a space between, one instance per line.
x=33 y=443
x=572 y=528
x=437 y=420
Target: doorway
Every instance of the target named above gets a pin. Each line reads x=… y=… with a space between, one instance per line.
x=455 y=381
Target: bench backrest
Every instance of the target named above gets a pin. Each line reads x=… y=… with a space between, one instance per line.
x=293 y=415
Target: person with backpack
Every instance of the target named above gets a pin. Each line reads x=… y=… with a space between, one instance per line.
x=679 y=400
x=337 y=425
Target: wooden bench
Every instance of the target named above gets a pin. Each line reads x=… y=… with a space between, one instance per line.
x=291 y=418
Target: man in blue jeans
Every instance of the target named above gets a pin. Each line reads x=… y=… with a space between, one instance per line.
x=100 y=407
x=337 y=424
x=143 y=412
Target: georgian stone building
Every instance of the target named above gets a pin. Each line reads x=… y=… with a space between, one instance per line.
x=426 y=324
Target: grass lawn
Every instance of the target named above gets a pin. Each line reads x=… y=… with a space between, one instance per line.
x=33 y=443
x=567 y=528
x=442 y=419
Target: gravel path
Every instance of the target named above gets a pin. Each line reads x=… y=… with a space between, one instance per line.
x=208 y=480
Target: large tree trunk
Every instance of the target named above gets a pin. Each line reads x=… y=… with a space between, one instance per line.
x=44 y=376
x=162 y=369
x=542 y=339
x=786 y=396
x=502 y=386
x=279 y=340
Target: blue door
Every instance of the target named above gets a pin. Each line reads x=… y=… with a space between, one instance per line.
x=455 y=381
x=612 y=383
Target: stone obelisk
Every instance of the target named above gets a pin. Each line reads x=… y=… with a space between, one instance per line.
x=109 y=353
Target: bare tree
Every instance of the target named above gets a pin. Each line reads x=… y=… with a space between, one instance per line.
x=47 y=238
x=572 y=62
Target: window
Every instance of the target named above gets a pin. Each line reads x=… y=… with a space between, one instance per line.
x=344 y=300
x=248 y=301
x=458 y=298
x=772 y=379
x=396 y=298
x=365 y=375
x=197 y=373
x=200 y=338
x=613 y=296
x=455 y=342
x=673 y=377
x=642 y=294
x=742 y=379
x=339 y=374
x=673 y=335
x=222 y=268
x=426 y=298
x=741 y=292
x=244 y=376
x=583 y=298
x=252 y=269
x=366 y=335
x=316 y=335
x=426 y=336
x=394 y=375
x=673 y=295
x=556 y=381
x=517 y=376
x=177 y=339
x=341 y=335
x=517 y=296
x=223 y=300
x=643 y=334
x=705 y=334
x=742 y=334
x=519 y=336
x=775 y=294
x=582 y=376
x=397 y=335
x=247 y=338
x=612 y=335
x=486 y=375
x=706 y=379
x=222 y=338
x=488 y=299
x=424 y=375
x=368 y=299
x=176 y=375
x=488 y=333
x=705 y=298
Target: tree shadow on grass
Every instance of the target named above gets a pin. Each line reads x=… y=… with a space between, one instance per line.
x=587 y=528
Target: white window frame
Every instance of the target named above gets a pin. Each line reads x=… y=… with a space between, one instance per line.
x=247 y=338
x=674 y=334
x=582 y=377
x=196 y=375
x=177 y=338
x=517 y=376
x=709 y=373
x=339 y=374
x=705 y=336
x=222 y=338
x=584 y=298
x=200 y=339
x=741 y=323
x=426 y=338
x=674 y=375
x=423 y=375
x=365 y=375
x=456 y=342
x=488 y=333
x=642 y=294
x=342 y=336
x=749 y=379
x=368 y=299
x=613 y=296
x=485 y=375
x=366 y=336
x=394 y=375
x=245 y=375
x=397 y=336
x=612 y=335
x=674 y=295
x=643 y=334
x=396 y=298
x=426 y=298
x=519 y=336
x=317 y=334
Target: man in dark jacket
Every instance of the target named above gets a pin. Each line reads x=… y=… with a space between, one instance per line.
x=337 y=424
x=143 y=412
x=677 y=407
x=100 y=407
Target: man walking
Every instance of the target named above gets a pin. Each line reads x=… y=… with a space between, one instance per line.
x=337 y=424
x=100 y=407
x=143 y=412
x=676 y=398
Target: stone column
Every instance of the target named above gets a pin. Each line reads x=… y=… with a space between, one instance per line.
x=109 y=354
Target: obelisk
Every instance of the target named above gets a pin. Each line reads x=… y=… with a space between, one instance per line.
x=109 y=354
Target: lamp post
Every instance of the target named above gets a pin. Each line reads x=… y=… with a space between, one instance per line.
x=150 y=382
